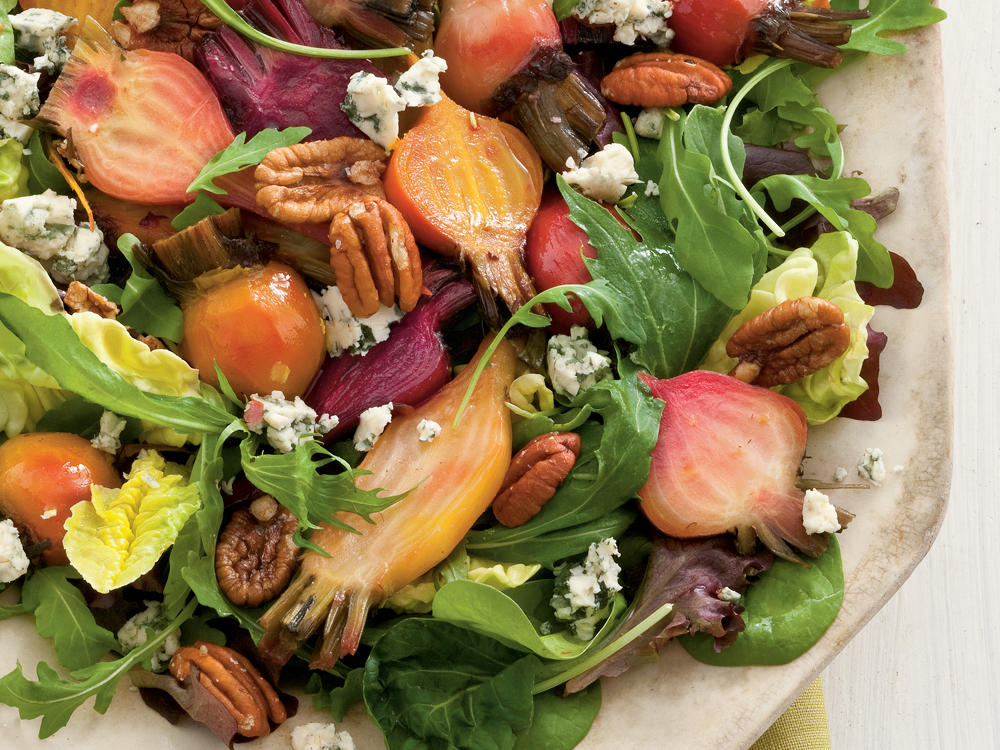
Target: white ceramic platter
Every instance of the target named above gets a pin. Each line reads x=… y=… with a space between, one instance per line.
x=893 y=109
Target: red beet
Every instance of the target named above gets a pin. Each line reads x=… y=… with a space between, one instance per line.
x=406 y=368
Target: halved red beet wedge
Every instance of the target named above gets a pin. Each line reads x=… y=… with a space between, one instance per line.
x=726 y=460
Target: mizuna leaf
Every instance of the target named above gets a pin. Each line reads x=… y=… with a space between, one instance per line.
x=121 y=533
x=55 y=699
x=61 y=614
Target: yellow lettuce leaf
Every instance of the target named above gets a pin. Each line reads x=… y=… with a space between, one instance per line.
x=826 y=270
x=418 y=597
x=119 y=534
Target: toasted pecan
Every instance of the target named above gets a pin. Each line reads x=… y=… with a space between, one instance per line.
x=664 y=79
x=535 y=473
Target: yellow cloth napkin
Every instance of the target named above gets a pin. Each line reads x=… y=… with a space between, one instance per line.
x=802 y=727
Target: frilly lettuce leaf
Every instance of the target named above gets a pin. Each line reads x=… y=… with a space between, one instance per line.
x=13 y=175
x=26 y=392
x=120 y=533
x=826 y=270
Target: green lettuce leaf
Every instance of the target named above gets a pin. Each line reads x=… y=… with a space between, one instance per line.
x=6 y=32
x=146 y=307
x=430 y=684
x=13 y=175
x=62 y=615
x=121 y=533
x=825 y=270
x=55 y=699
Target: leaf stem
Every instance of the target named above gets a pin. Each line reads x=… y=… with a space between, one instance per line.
x=633 y=142
x=236 y=22
x=727 y=158
x=597 y=657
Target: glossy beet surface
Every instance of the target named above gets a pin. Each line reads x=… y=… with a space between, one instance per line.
x=42 y=476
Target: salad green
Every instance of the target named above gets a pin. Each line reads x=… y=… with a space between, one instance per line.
x=467 y=661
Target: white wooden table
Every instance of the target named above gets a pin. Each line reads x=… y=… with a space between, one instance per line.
x=925 y=673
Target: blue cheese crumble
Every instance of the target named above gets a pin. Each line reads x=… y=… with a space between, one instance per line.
x=428 y=429
x=13 y=560
x=286 y=424
x=19 y=98
x=41 y=33
x=575 y=364
x=371 y=424
x=649 y=123
x=317 y=736
x=819 y=515
x=633 y=19
x=419 y=86
x=604 y=176
x=111 y=428
x=583 y=593
x=872 y=466
x=346 y=333
x=43 y=227
x=373 y=106
x=140 y=628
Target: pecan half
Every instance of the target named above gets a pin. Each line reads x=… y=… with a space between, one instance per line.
x=375 y=257
x=535 y=472
x=255 y=554
x=664 y=79
x=164 y=25
x=789 y=342
x=234 y=682
x=81 y=298
x=313 y=182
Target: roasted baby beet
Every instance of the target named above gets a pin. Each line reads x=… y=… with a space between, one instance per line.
x=259 y=325
x=726 y=459
x=42 y=476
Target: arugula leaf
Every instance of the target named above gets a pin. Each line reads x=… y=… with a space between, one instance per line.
x=787 y=611
x=242 y=153
x=146 y=307
x=52 y=345
x=832 y=199
x=560 y=722
x=887 y=16
x=61 y=614
x=55 y=699
x=711 y=243
x=204 y=206
x=612 y=466
x=296 y=480
x=430 y=684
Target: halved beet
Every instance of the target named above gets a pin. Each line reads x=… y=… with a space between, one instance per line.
x=727 y=459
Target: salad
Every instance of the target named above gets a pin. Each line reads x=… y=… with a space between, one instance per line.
x=443 y=358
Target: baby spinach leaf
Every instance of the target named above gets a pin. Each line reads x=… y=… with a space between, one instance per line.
x=646 y=299
x=83 y=418
x=52 y=345
x=61 y=614
x=145 y=305
x=55 y=699
x=612 y=466
x=886 y=16
x=492 y=612
x=832 y=199
x=560 y=722
x=42 y=175
x=787 y=611
x=430 y=684
x=339 y=700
